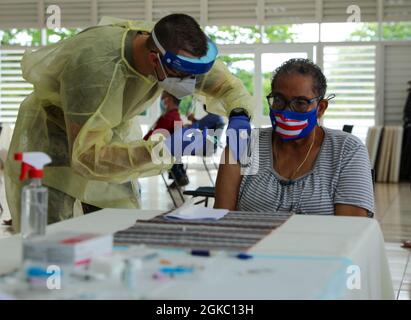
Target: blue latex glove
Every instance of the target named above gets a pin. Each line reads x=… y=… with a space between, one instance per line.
x=189 y=142
x=195 y=125
x=238 y=134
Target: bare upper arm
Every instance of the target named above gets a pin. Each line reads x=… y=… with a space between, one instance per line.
x=349 y=210
x=228 y=183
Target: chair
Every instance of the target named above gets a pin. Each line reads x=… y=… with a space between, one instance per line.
x=348 y=128
x=218 y=145
x=373 y=176
x=206 y=192
x=180 y=193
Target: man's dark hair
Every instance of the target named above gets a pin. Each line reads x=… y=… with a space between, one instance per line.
x=304 y=67
x=180 y=32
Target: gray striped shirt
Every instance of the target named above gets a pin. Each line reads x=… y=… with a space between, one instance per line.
x=341 y=174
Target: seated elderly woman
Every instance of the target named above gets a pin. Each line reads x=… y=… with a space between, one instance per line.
x=300 y=167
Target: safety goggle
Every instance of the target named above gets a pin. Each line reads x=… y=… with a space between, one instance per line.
x=172 y=73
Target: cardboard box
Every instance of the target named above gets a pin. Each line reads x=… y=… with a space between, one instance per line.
x=67 y=248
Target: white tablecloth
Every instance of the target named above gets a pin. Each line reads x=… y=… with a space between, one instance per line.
x=309 y=257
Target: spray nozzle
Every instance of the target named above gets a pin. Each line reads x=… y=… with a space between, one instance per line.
x=32 y=163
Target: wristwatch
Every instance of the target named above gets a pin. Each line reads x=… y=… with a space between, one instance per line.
x=239 y=112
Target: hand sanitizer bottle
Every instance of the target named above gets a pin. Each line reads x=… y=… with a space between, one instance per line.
x=34 y=196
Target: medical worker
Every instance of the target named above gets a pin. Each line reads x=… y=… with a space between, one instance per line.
x=87 y=93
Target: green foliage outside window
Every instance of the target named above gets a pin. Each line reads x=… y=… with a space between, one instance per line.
x=222 y=35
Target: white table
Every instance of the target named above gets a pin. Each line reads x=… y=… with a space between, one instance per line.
x=309 y=257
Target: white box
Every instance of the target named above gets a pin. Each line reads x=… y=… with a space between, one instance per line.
x=67 y=248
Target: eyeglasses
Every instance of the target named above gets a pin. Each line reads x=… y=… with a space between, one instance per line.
x=299 y=104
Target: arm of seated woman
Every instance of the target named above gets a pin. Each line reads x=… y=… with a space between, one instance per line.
x=228 y=182
x=349 y=210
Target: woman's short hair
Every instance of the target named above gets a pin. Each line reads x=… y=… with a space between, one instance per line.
x=304 y=67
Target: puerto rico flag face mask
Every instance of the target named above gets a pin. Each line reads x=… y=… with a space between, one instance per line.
x=292 y=125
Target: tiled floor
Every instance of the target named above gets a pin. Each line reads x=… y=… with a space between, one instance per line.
x=393 y=211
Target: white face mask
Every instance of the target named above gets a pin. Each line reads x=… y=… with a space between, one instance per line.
x=177 y=87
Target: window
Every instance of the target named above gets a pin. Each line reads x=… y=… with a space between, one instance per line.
x=397 y=74
x=307 y=32
x=350 y=72
x=396 y=31
x=337 y=32
x=242 y=66
x=56 y=35
x=13 y=88
x=234 y=34
x=21 y=37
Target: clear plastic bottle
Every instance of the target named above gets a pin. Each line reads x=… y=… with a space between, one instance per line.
x=34 y=197
x=34 y=203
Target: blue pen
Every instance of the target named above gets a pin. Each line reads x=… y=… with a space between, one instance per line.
x=243 y=256
x=200 y=252
x=176 y=270
x=207 y=253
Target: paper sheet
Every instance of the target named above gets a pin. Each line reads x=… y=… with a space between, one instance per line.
x=188 y=211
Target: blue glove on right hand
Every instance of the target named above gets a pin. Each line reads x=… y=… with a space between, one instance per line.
x=189 y=142
x=195 y=125
x=238 y=134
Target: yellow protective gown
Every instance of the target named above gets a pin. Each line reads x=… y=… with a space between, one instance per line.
x=86 y=96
